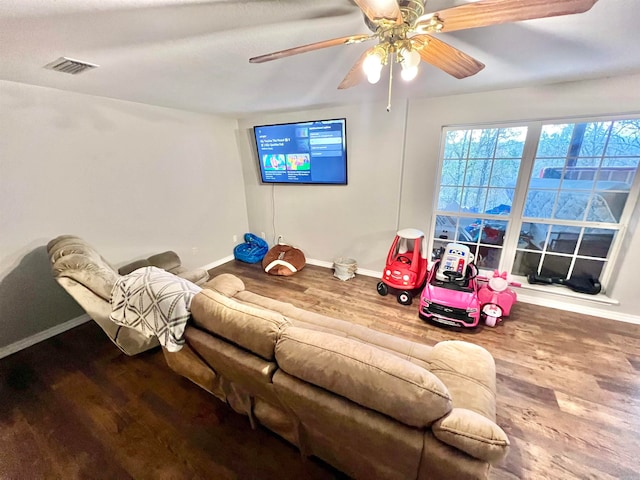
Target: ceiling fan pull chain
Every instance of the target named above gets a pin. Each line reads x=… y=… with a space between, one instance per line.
x=390 y=81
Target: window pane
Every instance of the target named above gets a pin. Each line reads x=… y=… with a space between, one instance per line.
x=624 y=139
x=478 y=173
x=449 y=199
x=579 y=178
x=470 y=229
x=618 y=173
x=473 y=199
x=563 y=239
x=499 y=201
x=555 y=140
x=483 y=143
x=445 y=227
x=493 y=232
x=606 y=209
x=453 y=172
x=504 y=173
x=533 y=236
x=584 y=267
x=457 y=144
x=555 y=266
x=511 y=142
x=438 y=248
x=539 y=203
x=596 y=242
x=526 y=263
x=547 y=168
x=571 y=205
x=489 y=257
x=594 y=139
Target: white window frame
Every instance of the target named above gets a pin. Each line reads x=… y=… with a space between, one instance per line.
x=514 y=219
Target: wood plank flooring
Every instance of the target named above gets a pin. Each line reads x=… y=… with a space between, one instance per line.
x=74 y=407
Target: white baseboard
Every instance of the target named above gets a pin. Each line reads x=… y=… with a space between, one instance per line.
x=217 y=263
x=359 y=271
x=583 y=309
x=39 y=337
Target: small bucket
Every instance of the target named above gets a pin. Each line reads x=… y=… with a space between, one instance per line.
x=344 y=268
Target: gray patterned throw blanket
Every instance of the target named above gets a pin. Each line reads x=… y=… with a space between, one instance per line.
x=155 y=303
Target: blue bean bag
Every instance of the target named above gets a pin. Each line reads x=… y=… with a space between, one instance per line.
x=252 y=250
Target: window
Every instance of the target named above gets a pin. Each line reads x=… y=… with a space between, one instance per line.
x=538 y=197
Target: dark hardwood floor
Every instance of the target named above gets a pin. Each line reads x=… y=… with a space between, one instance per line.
x=74 y=407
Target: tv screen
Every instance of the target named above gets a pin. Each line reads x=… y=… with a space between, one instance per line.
x=303 y=153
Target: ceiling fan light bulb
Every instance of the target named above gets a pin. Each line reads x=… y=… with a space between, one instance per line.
x=411 y=58
x=372 y=64
x=373 y=77
x=409 y=73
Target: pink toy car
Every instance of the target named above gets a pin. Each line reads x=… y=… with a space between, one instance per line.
x=496 y=297
x=452 y=301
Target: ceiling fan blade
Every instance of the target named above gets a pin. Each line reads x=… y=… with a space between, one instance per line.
x=377 y=10
x=310 y=47
x=491 y=12
x=445 y=57
x=356 y=74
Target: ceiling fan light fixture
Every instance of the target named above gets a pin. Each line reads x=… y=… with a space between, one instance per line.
x=410 y=58
x=408 y=73
x=372 y=66
x=373 y=77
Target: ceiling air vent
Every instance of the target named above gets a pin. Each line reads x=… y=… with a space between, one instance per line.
x=69 y=65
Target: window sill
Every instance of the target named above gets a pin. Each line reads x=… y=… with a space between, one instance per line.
x=560 y=291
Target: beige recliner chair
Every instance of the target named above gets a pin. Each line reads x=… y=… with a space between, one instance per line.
x=88 y=277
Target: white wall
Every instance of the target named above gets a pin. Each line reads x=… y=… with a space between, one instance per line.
x=358 y=220
x=131 y=179
x=403 y=146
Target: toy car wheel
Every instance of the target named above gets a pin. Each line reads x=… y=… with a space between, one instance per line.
x=404 y=298
x=490 y=321
x=382 y=288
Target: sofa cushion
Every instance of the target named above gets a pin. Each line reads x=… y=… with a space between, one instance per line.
x=414 y=352
x=364 y=374
x=472 y=433
x=254 y=329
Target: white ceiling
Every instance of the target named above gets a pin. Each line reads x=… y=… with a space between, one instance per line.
x=193 y=55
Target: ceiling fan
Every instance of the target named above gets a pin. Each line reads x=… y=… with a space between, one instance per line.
x=405 y=34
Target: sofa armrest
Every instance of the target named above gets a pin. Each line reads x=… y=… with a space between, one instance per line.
x=199 y=276
x=168 y=261
x=133 y=266
x=469 y=372
x=473 y=434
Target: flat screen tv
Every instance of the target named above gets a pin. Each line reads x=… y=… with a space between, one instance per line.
x=312 y=152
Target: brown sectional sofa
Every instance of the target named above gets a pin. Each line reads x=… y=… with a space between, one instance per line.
x=370 y=404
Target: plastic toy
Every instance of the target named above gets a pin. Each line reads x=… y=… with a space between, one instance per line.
x=496 y=297
x=406 y=267
x=252 y=250
x=455 y=258
x=450 y=296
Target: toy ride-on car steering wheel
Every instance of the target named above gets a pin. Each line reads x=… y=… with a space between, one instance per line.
x=452 y=275
x=404 y=259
